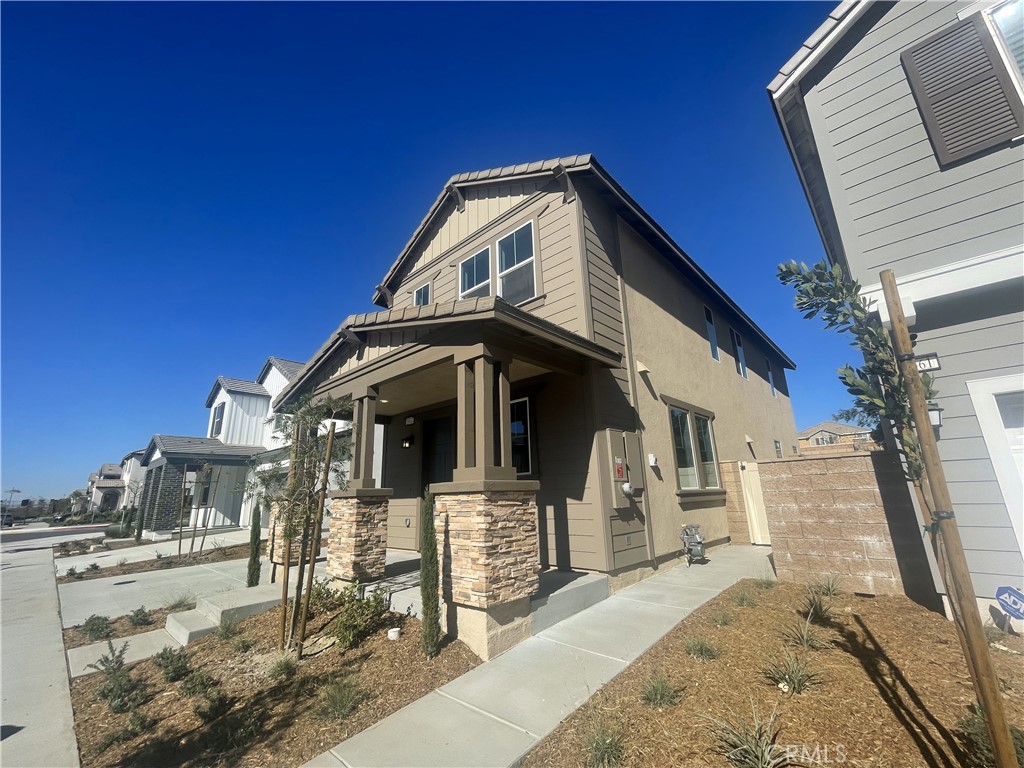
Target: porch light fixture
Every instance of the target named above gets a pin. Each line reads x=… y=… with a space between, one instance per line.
x=935 y=414
x=408 y=441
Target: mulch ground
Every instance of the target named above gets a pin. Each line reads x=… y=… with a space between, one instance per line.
x=75 y=637
x=894 y=687
x=270 y=723
x=170 y=559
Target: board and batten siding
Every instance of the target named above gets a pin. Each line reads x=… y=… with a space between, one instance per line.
x=969 y=351
x=244 y=418
x=895 y=207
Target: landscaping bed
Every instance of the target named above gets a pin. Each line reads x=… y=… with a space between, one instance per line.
x=892 y=691
x=122 y=626
x=168 y=559
x=262 y=720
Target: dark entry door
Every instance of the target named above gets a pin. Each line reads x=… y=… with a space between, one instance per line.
x=438 y=450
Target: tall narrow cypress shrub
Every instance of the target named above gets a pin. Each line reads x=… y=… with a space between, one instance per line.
x=429 y=578
x=252 y=575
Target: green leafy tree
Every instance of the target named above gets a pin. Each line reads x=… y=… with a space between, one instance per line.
x=429 y=580
x=879 y=395
x=252 y=573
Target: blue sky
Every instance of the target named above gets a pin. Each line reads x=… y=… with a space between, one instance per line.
x=188 y=188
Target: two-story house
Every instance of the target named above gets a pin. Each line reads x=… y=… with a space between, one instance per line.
x=906 y=126
x=133 y=474
x=562 y=377
x=202 y=480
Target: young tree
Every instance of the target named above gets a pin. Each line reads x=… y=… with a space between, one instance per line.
x=429 y=579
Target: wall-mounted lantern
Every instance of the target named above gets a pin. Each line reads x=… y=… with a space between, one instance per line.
x=935 y=414
x=408 y=441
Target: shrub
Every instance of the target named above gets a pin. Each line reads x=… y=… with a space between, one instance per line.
x=323 y=598
x=283 y=669
x=64 y=548
x=977 y=742
x=138 y=723
x=749 y=745
x=199 y=683
x=605 y=748
x=173 y=662
x=793 y=674
x=72 y=573
x=213 y=705
x=827 y=587
x=765 y=582
x=92 y=567
x=182 y=602
x=243 y=644
x=227 y=629
x=97 y=627
x=339 y=700
x=122 y=562
x=359 y=617
x=803 y=635
x=430 y=615
x=722 y=619
x=159 y=555
x=117 y=532
x=658 y=693
x=817 y=608
x=252 y=571
x=121 y=692
x=701 y=649
x=744 y=599
x=139 y=617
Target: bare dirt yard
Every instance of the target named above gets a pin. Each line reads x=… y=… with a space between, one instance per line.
x=242 y=706
x=891 y=688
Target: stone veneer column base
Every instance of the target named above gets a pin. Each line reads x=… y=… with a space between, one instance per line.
x=357 y=541
x=275 y=541
x=489 y=561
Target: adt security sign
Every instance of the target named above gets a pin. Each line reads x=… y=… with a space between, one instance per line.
x=1012 y=601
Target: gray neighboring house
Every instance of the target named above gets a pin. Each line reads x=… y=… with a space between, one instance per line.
x=905 y=123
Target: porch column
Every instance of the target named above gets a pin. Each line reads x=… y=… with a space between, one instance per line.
x=364 y=416
x=505 y=414
x=484 y=439
x=465 y=456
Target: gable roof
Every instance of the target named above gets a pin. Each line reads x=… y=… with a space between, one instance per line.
x=110 y=469
x=625 y=205
x=834 y=427
x=235 y=385
x=128 y=455
x=467 y=310
x=288 y=368
x=199 y=448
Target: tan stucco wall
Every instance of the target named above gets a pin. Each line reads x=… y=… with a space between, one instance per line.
x=665 y=314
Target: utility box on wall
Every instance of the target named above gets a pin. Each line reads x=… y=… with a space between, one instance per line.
x=627 y=473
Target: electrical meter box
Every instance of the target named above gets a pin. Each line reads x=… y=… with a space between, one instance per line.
x=627 y=471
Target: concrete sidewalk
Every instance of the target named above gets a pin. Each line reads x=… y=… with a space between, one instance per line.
x=38 y=729
x=492 y=716
x=111 y=557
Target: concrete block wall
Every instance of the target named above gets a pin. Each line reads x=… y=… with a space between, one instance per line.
x=848 y=514
x=735 y=507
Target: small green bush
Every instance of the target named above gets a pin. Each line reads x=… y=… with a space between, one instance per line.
x=803 y=635
x=72 y=573
x=140 y=617
x=818 y=608
x=659 y=693
x=243 y=643
x=138 y=723
x=323 y=598
x=973 y=733
x=750 y=745
x=744 y=599
x=283 y=669
x=339 y=700
x=199 y=683
x=793 y=674
x=213 y=705
x=121 y=692
x=700 y=649
x=359 y=617
x=605 y=748
x=722 y=619
x=227 y=629
x=826 y=587
x=97 y=627
x=173 y=662
x=765 y=582
x=122 y=562
x=92 y=567
x=183 y=602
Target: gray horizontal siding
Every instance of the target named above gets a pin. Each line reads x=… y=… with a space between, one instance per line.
x=895 y=207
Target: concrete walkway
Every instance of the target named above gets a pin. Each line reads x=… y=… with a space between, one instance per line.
x=37 y=727
x=492 y=716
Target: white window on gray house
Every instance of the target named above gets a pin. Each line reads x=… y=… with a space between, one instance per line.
x=709 y=323
x=778 y=449
x=694 y=446
x=516 y=282
x=706 y=451
x=771 y=376
x=475 y=275
x=737 y=353
x=422 y=296
x=521 y=458
x=218 y=421
x=965 y=80
x=686 y=469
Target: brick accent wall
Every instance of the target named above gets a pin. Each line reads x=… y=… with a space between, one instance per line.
x=735 y=507
x=488 y=546
x=358 y=539
x=847 y=515
x=161 y=505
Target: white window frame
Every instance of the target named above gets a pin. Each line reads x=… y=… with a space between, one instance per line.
x=778 y=449
x=486 y=249
x=712 y=331
x=771 y=378
x=217 y=423
x=691 y=415
x=529 y=447
x=983 y=396
x=986 y=8
x=738 y=353
x=416 y=295
x=714 y=450
x=532 y=261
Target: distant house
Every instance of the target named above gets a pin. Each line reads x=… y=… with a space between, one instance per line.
x=905 y=122
x=832 y=433
x=563 y=378
x=106 y=488
x=202 y=480
x=133 y=474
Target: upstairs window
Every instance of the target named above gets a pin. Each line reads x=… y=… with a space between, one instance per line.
x=218 y=421
x=515 y=266
x=737 y=353
x=778 y=450
x=771 y=376
x=475 y=275
x=422 y=296
x=709 y=323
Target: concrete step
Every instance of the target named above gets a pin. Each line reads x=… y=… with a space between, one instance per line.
x=240 y=604
x=187 y=626
x=563 y=594
x=141 y=646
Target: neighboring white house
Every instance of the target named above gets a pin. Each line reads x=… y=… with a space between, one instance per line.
x=133 y=474
x=106 y=488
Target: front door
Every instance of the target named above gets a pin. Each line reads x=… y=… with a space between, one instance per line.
x=438 y=450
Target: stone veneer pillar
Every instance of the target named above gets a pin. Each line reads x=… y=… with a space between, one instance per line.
x=489 y=560
x=275 y=542
x=358 y=538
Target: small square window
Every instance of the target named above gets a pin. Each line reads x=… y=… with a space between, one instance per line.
x=422 y=296
x=475 y=275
